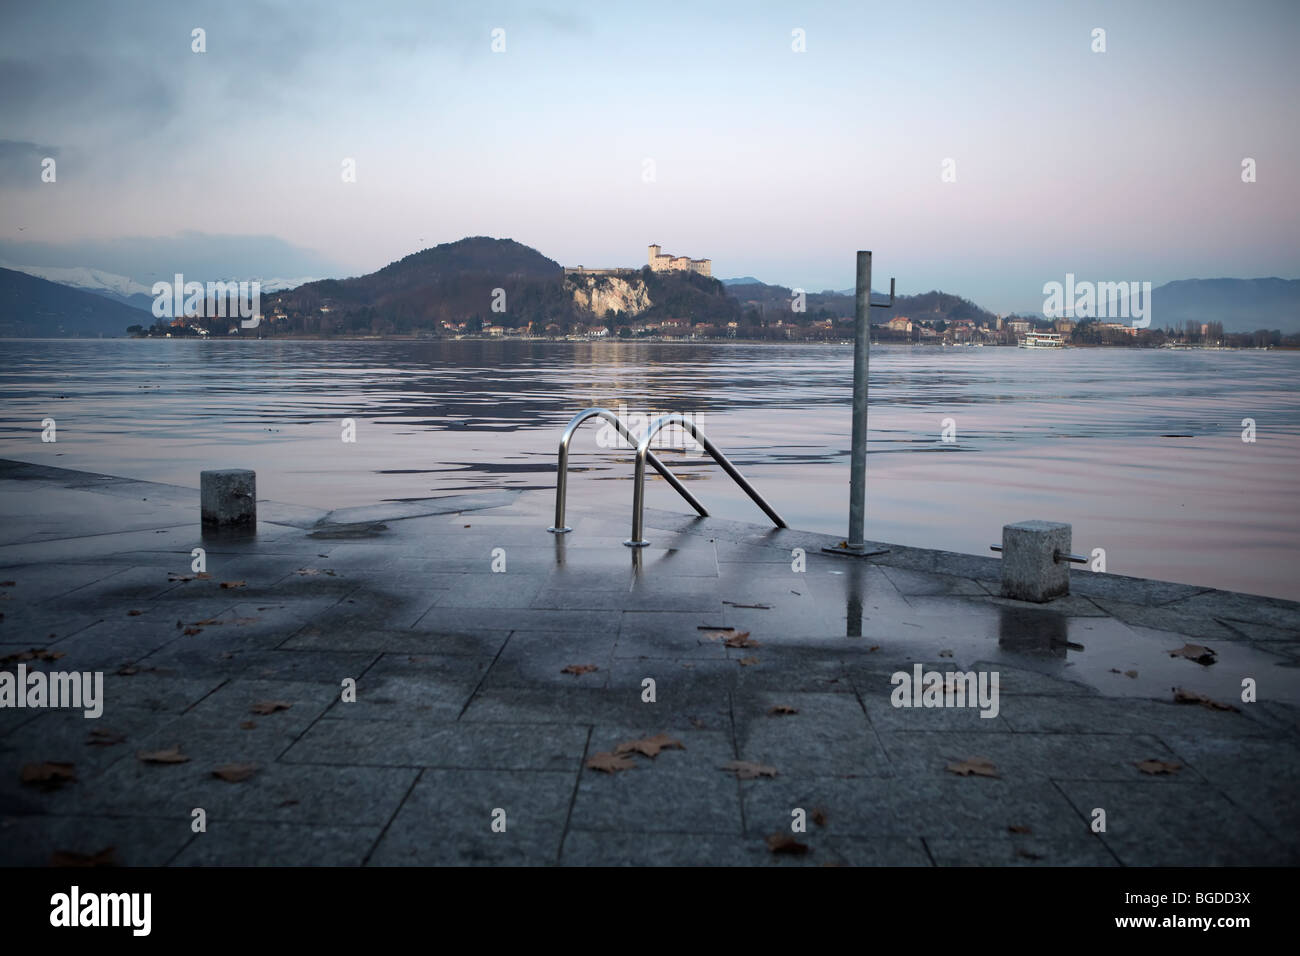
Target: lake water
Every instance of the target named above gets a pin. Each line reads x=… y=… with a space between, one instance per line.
x=1141 y=451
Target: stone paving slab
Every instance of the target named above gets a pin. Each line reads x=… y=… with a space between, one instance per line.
x=464 y=707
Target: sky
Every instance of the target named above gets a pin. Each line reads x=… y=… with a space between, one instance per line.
x=603 y=127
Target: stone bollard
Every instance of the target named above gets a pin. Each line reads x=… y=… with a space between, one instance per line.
x=1035 y=560
x=229 y=499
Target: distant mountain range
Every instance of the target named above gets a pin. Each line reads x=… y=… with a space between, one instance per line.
x=38 y=308
x=457 y=280
x=122 y=288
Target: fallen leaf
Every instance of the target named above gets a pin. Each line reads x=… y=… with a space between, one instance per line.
x=740 y=639
x=35 y=654
x=247 y=724
x=269 y=706
x=780 y=710
x=134 y=613
x=191 y=631
x=979 y=766
x=208 y=622
x=819 y=816
x=49 y=775
x=1182 y=696
x=785 y=843
x=1130 y=673
x=1195 y=652
x=1158 y=766
x=650 y=746
x=1019 y=829
x=68 y=858
x=747 y=661
x=227 y=585
x=610 y=763
x=170 y=755
x=744 y=770
x=288 y=803
x=103 y=737
x=874 y=647
x=235 y=772
x=580 y=669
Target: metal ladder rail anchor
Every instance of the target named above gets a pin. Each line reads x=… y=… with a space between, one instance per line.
x=562 y=473
x=643 y=454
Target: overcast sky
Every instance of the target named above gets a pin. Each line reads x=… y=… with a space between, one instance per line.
x=1122 y=165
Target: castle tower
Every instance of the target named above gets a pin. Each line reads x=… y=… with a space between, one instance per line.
x=654 y=254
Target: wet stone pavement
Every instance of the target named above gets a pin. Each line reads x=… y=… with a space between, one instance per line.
x=489 y=699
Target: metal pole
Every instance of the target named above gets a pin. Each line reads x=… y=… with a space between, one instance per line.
x=861 y=360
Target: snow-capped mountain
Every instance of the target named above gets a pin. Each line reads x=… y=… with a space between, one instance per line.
x=126 y=289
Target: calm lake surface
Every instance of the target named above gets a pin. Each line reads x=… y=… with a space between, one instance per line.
x=1141 y=451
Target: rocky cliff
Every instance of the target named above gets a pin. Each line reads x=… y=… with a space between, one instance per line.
x=602 y=293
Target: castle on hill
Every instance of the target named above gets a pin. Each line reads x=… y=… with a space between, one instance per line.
x=663 y=262
x=658 y=262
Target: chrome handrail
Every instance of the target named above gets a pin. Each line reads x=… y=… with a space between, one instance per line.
x=643 y=454
x=562 y=473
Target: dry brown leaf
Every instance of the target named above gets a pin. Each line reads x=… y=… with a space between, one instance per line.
x=68 y=858
x=49 y=775
x=747 y=661
x=227 y=585
x=1158 y=766
x=1195 y=652
x=780 y=710
x=650 y=746
x=134 y=613
x=818 y=816
x=580 y=669
x=1019 y=829
x=874 y=647
x=191 y=631
x=265 y=707
x=1130 y=673
x=208 y=622
x=103 y=737
x=979 y=766
x=785 y=843
x=35 y=654
x=745 y=770
x=1182 y=696
x=170 y=755
x=740 y=639
x=610 y=763
x=235 y=772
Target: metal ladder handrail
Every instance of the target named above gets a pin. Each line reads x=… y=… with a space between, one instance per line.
x=562 y=473
x=643 y=454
